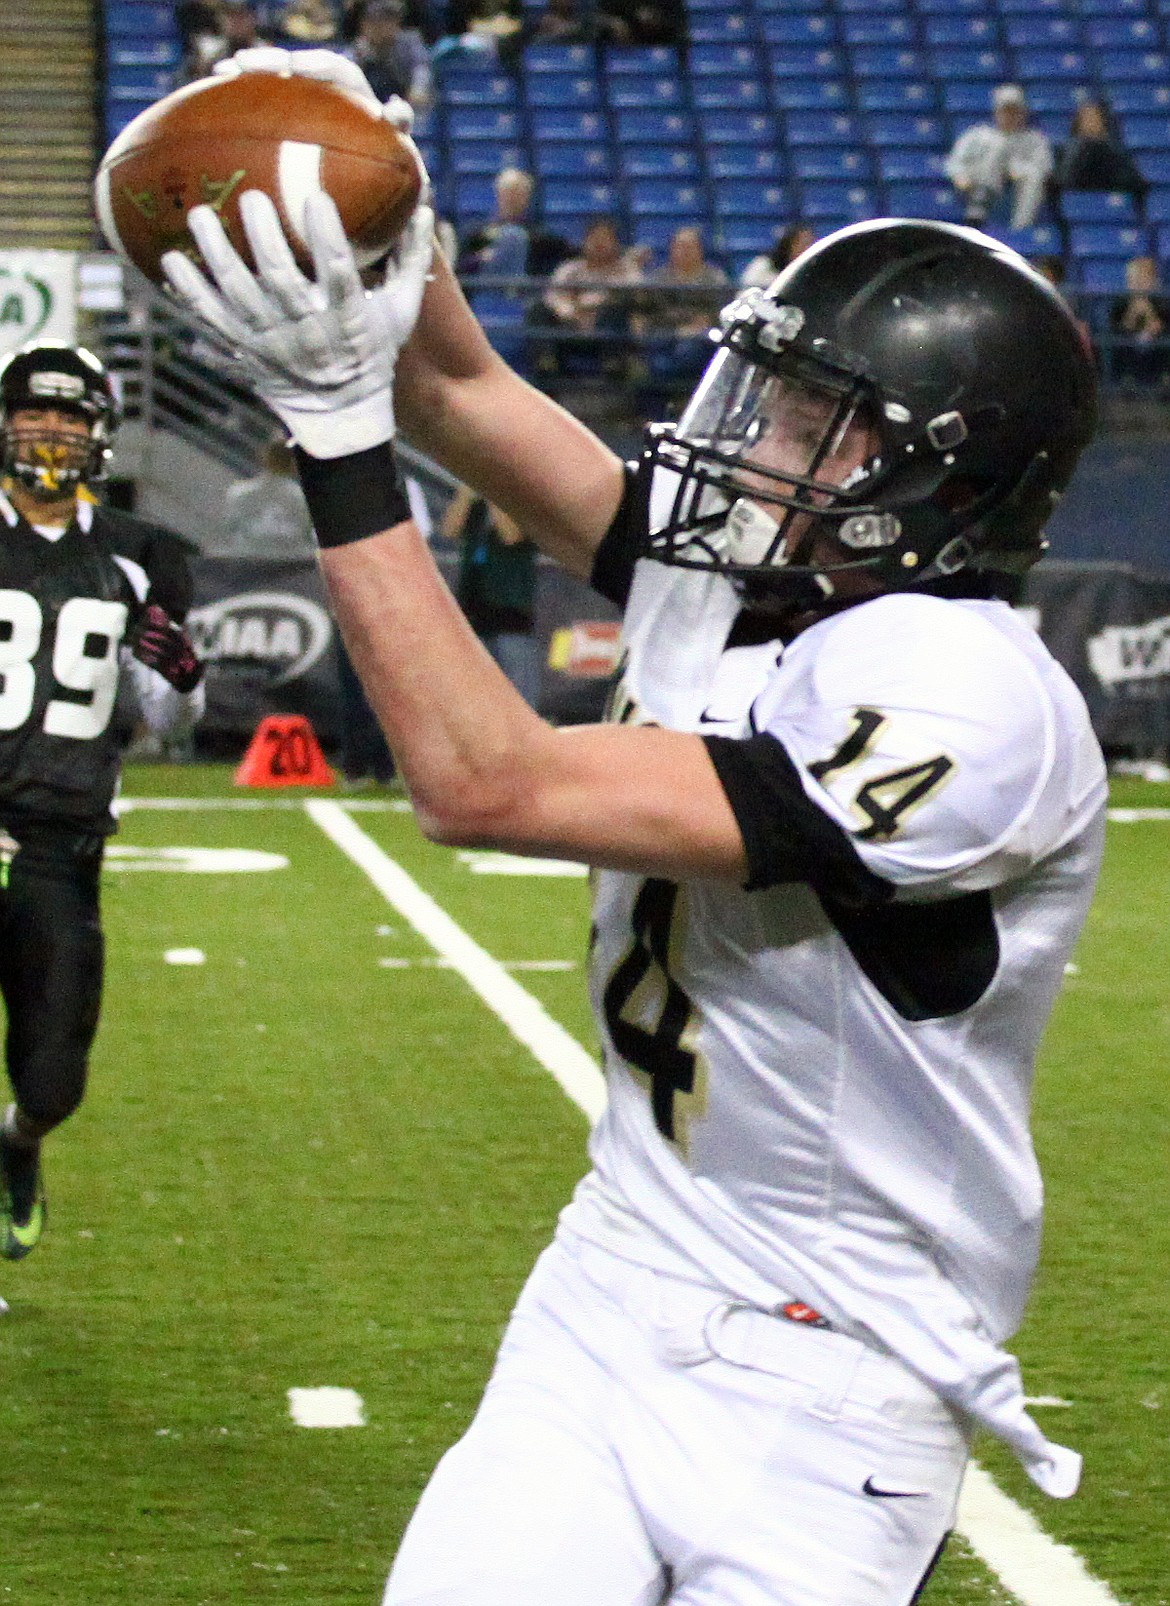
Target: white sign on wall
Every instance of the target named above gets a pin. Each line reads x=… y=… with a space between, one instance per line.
x=38 y=297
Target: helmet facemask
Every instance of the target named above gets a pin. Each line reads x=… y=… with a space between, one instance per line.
x=49 y=460
x=775 y=456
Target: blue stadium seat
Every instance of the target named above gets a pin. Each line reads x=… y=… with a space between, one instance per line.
x=472 y=195
x=1028 y=8
x=719 y=28
x=549 y=123
x=646 y=60
x=463 y=86
x=909 y=164
x=567 y=159
x=560 y=89
x=739 y=199
x=1115 y=8
x=831 y=161
x=1158 y=202
x=923 y=200
x=973 y=29
x=645 y=127
x=809 y=94
x=848 y=7
x=468 y=122
x=745 y=161
x=1101 y=273
x=1041 y=66
x=666 y=198
x=120 y=112
x=503 y=320
x=727 y=94
x=904 y=128
x=1132 y=65
x=1123 y=33
x=822 y=128
x=484 y=155
x=1146 y=133
x=823 y=199
x=986 y=64
x=1043 y=32
x=954 y=8
x=896 y=95
x=1146 y=97
x=707 y=59
x=138 y=83
x=1106 y=240
x=1155 y=169
x=807 y=61
x=1061 y=96
x=558 y=58
x=143 y=53
x=1163 y=241
x=662 y=90
x=743 y=237
x=659 y=161
x=888 y=61
x=798 y=28
x=1042 y=239
x=878 y=28
x=1098 y=206
x=767 y=8
x=131 y=19
x=968 y=102
x=575 y=197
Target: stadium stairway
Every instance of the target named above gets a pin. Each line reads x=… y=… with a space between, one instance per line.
x=47 y=123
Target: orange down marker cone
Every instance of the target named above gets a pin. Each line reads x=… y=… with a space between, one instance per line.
x=284 y=752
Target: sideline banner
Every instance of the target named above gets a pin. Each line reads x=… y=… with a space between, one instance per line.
x=265 y=631
x=38 y=297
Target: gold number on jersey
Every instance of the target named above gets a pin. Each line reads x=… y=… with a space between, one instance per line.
x=651 y=1020
x=885 y=800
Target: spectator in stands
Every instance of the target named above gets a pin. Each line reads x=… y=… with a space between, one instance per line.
x=497 y=586
x=641 y=22
x=1093 y=157
x=1053 y=269
x=789 y=243
x=427 y=16
x=582 y=293
x=266 y=517
x=493 y=28
x=683 y=296
x=1141 y=318
x=991 y=159
x=306 y=22
x=562 y=22
x=510 y=244
x=236 y=28
x=393 y=57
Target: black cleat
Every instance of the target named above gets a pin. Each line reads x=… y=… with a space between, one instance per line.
x=22 y=1199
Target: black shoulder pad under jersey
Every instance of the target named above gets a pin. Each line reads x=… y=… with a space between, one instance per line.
x=625 y=540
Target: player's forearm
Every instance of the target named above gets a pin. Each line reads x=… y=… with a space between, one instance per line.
x=458 y=401
x=461 y=736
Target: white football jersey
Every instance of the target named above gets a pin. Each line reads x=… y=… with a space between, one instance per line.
x=780 y=1124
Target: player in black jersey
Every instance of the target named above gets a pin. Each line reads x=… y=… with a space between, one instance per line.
x=78 y=583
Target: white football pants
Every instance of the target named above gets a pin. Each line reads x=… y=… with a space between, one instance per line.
x=642 y=1440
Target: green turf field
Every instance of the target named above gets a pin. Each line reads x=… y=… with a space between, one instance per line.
x=300 y=1166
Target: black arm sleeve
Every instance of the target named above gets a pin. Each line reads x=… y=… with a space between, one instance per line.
x=787 y=837
x=625 y=540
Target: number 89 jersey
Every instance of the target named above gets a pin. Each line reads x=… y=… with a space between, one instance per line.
x=64 y=605
x=819 y=1095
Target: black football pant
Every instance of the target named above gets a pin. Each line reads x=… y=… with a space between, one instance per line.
x=51 y=955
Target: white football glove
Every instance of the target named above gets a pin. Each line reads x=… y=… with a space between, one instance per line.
x=320 y=352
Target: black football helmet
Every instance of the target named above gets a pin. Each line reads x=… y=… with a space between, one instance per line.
x=68 y=379
x=974 y=382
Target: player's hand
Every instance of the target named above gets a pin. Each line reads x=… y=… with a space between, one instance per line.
x=164 y=646
x=319 y=351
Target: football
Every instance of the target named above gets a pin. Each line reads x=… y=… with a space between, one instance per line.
x=286 y=135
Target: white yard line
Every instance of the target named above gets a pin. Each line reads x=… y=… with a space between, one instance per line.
x=1008 y=1539
x=560 y=1054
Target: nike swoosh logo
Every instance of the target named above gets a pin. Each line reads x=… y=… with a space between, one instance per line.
x=716 y=719
x=870 y=1487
